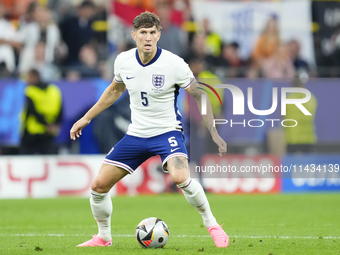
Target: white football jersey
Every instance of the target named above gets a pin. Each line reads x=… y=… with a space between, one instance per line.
x=153 y=90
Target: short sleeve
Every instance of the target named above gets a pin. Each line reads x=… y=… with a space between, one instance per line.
x=183 y=75
x=117 y=68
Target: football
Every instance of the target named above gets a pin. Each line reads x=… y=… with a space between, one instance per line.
x=152 y=233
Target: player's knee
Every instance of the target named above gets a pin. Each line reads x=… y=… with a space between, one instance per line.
x=179 y=178
x=99 y=187
x=178 y=169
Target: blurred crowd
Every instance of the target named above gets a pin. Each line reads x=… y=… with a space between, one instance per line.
x=60 y=39
x=197 y=42
x=79 y=39
x=69 y=40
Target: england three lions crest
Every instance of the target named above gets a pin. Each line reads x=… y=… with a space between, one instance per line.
x=158 y=80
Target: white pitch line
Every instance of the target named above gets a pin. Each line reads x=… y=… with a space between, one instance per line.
x=196 y=236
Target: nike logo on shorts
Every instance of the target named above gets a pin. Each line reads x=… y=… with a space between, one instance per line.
x=174 y=149
x=129 y=78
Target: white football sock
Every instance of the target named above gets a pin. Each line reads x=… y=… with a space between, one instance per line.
x=195 y=195
x=101 y=206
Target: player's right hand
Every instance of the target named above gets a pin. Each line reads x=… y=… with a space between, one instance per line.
x=76 y=129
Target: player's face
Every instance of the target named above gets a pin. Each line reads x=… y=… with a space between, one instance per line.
x=146 y=39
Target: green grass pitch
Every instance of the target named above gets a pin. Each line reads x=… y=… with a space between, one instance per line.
x=256 y=224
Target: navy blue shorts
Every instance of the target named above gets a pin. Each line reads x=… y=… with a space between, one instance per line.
x=132 y=151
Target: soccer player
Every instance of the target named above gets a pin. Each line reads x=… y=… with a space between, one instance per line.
x=153 y=77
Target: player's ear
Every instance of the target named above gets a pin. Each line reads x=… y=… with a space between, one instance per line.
x=159 y=35
x=133 y=34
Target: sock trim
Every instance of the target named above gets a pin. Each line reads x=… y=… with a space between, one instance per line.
x=97 y=194
x=185 y=184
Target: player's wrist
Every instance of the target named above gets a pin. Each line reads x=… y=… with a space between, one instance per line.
x=87 y=118
x=213 y=131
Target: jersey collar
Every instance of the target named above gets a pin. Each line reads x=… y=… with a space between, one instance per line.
x=158 y=53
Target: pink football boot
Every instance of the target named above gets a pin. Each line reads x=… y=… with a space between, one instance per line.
x=95 y=241
x=221 y=239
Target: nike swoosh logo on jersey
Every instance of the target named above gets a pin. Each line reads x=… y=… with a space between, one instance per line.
x=174 y=149
x=129 y=78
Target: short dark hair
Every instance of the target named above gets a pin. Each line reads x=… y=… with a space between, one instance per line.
x=146 y=20
x=87 y=4
x=34 y=72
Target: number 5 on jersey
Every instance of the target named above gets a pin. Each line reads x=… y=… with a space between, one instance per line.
x=144 y=96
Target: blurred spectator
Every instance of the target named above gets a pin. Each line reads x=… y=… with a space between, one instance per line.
x=302 y=137
x=48 y=71
x=42 y=29
x=335 y=41
x=61 y=9
x=279 y=65
x=198 y=49
x=233 y=66
x=77 y=31
x=145 y=4
x=173 y=38
x=197 y=65
x=72 y=75
x=252 y=73
x=41 y=117
x=29 y=15
x=87 y=67
x=299 y=64
x=16 y=8
x=212 y=40
x=100 y=27
x=10 y=41
x=267 y=44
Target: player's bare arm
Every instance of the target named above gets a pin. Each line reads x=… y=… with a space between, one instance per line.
x=208 y=118
x=109 y=96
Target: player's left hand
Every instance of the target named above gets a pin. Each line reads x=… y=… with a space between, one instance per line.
x=222 y=145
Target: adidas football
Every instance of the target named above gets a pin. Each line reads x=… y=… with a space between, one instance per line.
x=152 y=233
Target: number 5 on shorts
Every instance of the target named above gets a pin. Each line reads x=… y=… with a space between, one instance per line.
x=172 y=141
